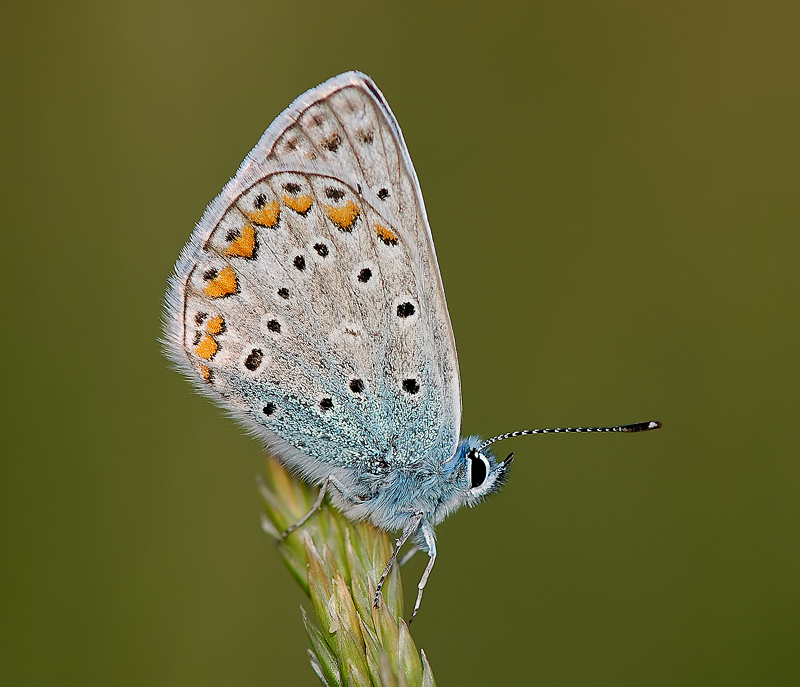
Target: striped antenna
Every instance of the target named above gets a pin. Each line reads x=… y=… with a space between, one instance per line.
x=636 y=427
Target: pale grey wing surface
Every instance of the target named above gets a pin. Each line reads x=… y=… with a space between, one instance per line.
x=309 y=301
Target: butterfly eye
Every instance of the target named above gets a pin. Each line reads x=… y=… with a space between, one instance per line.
x=478 y=469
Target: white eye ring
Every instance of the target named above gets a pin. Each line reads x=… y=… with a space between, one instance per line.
x=487 y=469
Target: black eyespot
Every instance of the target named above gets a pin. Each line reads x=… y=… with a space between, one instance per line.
x=322 y=249
x=269 y=409
x=405 y=310
x=260 y=201
x=292 y=188
x=334 y=193
x=210 y=274
x=326 y=404
x=364 y=275
x=411 y=386
x=356 y=386
x=477 y=470
x=274 y=326
x=383 y=194
x=300 y=262
x=252 y=361
x=283 y=293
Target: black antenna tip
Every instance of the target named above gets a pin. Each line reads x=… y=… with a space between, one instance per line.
x=641 y=426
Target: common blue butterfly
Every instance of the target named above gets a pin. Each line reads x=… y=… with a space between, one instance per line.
x=308 y=303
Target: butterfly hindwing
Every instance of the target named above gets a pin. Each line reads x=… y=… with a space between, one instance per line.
x=308 y=301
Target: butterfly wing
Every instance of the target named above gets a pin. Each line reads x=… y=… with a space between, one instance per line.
x=308 y=300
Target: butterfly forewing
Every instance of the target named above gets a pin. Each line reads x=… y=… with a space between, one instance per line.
x=309 y=301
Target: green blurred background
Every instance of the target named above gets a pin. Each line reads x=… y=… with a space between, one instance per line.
x=613 y=191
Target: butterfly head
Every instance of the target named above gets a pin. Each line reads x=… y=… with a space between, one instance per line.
x=473 y=474
x=484 y=473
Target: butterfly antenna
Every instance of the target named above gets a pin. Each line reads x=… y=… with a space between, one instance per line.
x=636 y=427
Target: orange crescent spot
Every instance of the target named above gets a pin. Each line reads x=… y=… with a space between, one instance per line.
x=224 y=284
x=299 y=204
x=207 y=348
x=266 y=216
x=245 y=245
x=344 y=217
x=205 y=370
x=216 y=325
x=385 y=235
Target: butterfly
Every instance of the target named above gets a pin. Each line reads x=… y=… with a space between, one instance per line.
x=308 y=303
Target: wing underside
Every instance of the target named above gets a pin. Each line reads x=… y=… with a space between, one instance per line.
x=309 y=301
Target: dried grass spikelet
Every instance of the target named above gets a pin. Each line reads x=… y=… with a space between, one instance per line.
x=338 y=563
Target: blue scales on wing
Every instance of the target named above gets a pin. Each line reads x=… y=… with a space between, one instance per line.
x=309 y=300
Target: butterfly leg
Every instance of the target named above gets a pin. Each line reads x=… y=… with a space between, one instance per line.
x=430 y=541
x=407 y=532
x=409 y=555
x=302 y=521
